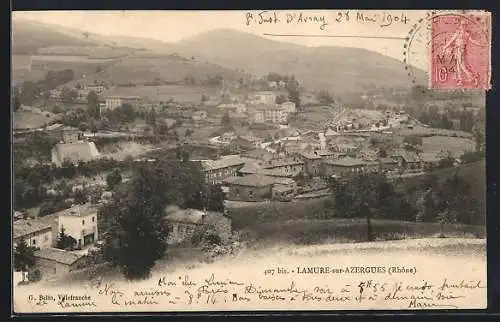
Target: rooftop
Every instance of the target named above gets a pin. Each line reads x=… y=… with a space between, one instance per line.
x=58 y=255
x=78 y=211
x=260 y=154
x=281 y=163
x=252 y=180
x=224 y=162
x=347 y=162
x=25 y=227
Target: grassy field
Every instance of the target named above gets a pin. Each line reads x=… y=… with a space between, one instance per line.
x=181 y=94
x=32 y=119
x=455 y=145
x=427 y=131
x=352 y=230
x=141 y=70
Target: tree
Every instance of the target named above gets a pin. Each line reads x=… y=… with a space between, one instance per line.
x=324 y=97
x=293 y=91
x=65 y=241
x=280 y=99
x=113 y=179
x=457 y=204
x=24 y=257
x=137 y=221
x=151 y=117
x=80 y=196
x=16 y=103
x=426 y=207
x=215 y=198
x=68 y=95
x=226 y=120
x=93 y=105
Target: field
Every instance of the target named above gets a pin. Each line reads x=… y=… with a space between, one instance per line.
x=93 y=52
x=427 y=131
x=179 y=93
x=141 y=70
x=27 y=118
x=119 y=151
x=455 y=145
x=341 y=230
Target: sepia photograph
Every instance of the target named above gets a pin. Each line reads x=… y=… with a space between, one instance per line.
x=190 y=161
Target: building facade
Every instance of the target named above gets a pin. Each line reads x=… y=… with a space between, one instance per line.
x=216 y=171
x=253 y=187
x=34 y=232
x=80 y=223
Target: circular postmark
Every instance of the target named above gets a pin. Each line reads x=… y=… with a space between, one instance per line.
x=416 y=49
x=435 y=51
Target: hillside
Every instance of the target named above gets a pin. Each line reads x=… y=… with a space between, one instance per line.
x=30 y=36
x=331 y=68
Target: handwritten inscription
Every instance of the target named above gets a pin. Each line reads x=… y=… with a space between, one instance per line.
x=212 y=291
x=325 y=19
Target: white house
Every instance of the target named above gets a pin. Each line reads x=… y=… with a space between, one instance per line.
x=266 y=97
x=79 y=222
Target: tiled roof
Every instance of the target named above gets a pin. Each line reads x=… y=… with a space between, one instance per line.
x=310 y=155
x=387 y=160
x=347 y=162
x=250 y=167
x=279 y=172
x=78 y=211
x=58 y=255
x=224 y=162
x=281 y=162
x=25 y=227
x=252 y=180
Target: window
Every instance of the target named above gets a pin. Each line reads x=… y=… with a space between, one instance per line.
x=83 y=222
x=33 y=242
x=46 y=238
x=93 y=219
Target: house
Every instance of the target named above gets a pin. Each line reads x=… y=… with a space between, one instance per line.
x=79 y=222
x=96 y=88
x=288 y=107
x=74 y=152
x=266 y=97
x=312 y=163
x=199 y=115
x=345 y=166
x=36 y=233
x=182 y=223
x=344 y=148
x=408 y=160
x=112 y=102
x=245 y=142
x=218 y=170
x=283 y=167
x=254 y=187
x=53 y=261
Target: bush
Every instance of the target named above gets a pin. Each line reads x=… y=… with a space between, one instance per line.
x=34 y=275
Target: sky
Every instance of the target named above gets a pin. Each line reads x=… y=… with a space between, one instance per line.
x=172 y=26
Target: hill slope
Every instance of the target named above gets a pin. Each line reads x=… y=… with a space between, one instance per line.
x=332 y=68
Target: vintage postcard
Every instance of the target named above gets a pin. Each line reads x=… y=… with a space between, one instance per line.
x=180 y=161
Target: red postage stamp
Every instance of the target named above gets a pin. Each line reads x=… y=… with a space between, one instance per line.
x=460 y=51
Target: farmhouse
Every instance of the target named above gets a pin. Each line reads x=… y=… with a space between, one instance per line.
x=408 y=160
x=284 y=167
x=79 y=222
x=254 y=187
x=346 y=166
x=288 y=107
x=312 y=163
x=53 y=261
x=35 y=233
x=74 y=152
x=182 y=223
x=218 y=170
